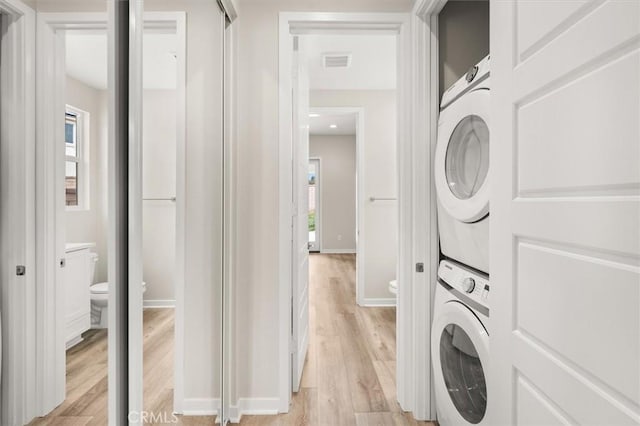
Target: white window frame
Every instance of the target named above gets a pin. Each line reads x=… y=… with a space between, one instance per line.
x=82 y=158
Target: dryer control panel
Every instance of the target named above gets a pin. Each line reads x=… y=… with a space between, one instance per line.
x=471 y=283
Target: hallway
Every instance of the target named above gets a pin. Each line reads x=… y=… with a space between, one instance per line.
x=349 y=373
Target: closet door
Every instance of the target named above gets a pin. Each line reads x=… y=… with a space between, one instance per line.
x=183 y=197
x=565 y=209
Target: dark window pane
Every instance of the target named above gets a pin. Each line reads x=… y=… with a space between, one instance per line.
x=70 y=135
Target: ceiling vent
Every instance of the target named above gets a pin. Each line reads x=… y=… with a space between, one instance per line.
x=336 y=60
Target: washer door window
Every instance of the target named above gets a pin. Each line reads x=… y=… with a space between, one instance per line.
x=462 y=157
x=467 y=158
x=463 y=373
x=460 y=354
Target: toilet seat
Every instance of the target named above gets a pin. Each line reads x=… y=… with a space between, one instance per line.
x=103 y=288
x=100 y=288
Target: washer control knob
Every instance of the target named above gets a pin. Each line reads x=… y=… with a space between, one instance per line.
x=468 y=284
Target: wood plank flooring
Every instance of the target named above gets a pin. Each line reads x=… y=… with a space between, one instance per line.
x=349 y=377
x=86 y=402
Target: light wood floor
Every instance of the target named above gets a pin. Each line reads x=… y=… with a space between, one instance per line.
x=350 y=370
x=348 y=378
x=86 y=402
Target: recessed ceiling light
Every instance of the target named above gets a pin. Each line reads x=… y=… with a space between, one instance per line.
x=314 y=115
x=333 y=126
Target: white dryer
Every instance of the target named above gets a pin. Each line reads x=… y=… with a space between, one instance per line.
x=460 y=345
x=461 y=169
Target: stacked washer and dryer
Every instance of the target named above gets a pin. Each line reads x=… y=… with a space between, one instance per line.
x=459 y=334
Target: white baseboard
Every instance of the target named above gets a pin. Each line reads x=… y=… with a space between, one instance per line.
x=338 y=251
x=245 y=406
x=159 y=303
x=378 y=302
x=200 y=406
x=253 y=407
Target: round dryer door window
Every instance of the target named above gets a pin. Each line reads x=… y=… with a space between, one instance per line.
x=461 y=164
x=463 y=373
x=467 y=158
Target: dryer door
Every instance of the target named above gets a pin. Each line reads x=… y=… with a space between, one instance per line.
x=460 y=351
x=462 y=157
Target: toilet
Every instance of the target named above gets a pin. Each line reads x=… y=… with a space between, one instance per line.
x=393 y=287
x=100 y=299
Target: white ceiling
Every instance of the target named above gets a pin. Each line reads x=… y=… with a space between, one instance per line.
x=373 y=63
x=86 y=59
x=346 y=124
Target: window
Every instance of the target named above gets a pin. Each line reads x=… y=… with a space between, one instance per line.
x=76 y=173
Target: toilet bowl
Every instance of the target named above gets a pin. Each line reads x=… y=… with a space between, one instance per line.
x=100 y=299
x=99 y=304
x=393 y=287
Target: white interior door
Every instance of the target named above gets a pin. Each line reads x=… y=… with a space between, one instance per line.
x=300 y=218
x=565 y=212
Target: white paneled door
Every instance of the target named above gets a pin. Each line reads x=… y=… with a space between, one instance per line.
x=300 y=218
x=565 y=213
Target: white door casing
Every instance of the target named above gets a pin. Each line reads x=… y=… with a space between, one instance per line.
x=300 y=251
x=565 y=213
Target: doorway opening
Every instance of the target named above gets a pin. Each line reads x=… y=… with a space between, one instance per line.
x=322 y=319
x=315 y=205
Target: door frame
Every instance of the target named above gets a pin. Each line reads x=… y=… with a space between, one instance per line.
x=427 y=104
x=49 y=322
x=413 y=362
x=318 y=201
x=16 y=188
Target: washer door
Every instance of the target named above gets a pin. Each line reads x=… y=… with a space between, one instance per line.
x=462 y=157
x=460 y=351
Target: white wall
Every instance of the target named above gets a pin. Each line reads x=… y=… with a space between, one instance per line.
x=159 y=181
x=89 y=225
x=257 y=284
x=378 y=232
x=463 y=38
x=338 y=190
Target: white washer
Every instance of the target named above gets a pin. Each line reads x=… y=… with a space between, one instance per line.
x=460 y=345
x=461 y=169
